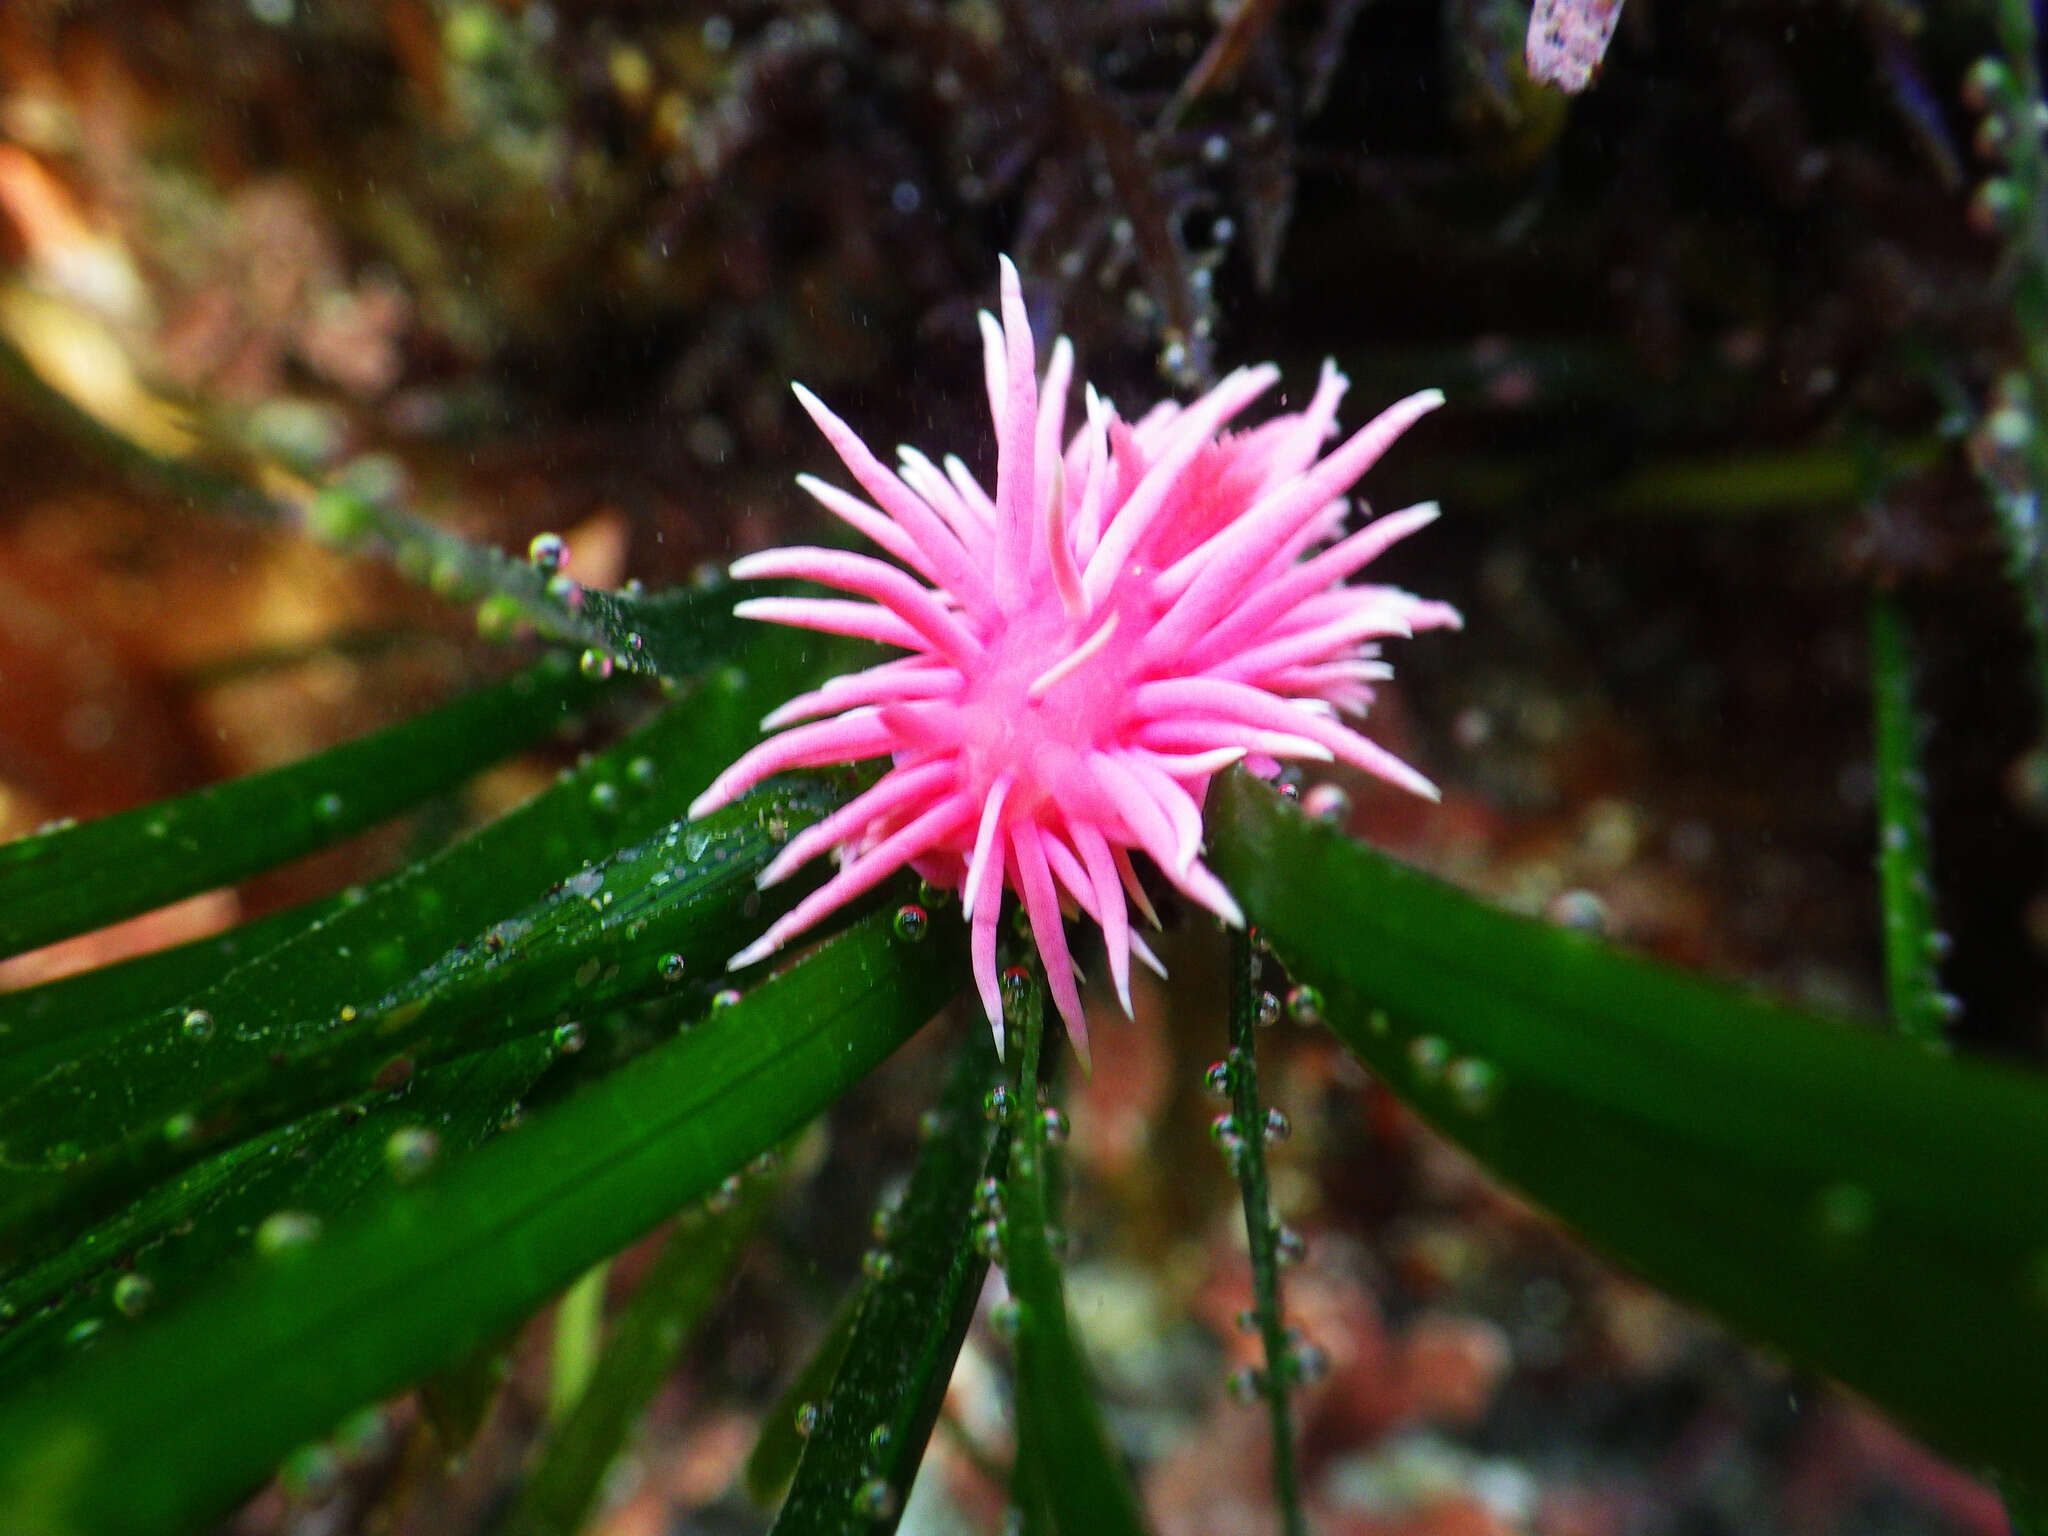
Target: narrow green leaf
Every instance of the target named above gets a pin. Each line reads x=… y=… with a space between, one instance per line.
x=77 y=878
x=161 y=1431
x=407 y=921
x=96 y=1128
x=167 y=1243
x=53 y=1021
x=670 y=634
x=772 y=1463
x=1844 y=1197
x=1071 y=1470
x=923 y=1282
x=649 y=1337
x=1912 y=941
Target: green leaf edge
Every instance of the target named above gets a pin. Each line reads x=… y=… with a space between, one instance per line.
x=1844 y=1197
x=167 y=1429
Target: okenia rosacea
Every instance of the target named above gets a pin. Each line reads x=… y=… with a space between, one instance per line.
x=1121 y=621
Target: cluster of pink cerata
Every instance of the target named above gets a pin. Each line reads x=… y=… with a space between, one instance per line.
x=1130 y=612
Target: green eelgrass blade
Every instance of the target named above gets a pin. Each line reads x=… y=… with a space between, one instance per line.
x=772 y=1462
x=1069 y=1469
x=54 y=1021
x=646 y=1341
x=923 y=1283
x=626 y=930
x=670 y=634
x=1844 y=1197
x=78 y=878
x=167 y=1244
x=161 y=1431
x=403 y=924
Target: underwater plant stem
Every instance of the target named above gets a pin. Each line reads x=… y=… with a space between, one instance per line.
x=1069 y=1477
x=1249 y=1163
x=2027 y=169
x=1912 y=943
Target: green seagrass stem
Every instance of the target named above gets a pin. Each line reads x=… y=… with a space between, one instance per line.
x=1248 y=1161
x=1920 y=1009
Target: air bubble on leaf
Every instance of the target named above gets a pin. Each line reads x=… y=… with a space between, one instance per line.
x=328 y=807
x=989 y=1241
x=410 y=1151
x=594 y=664
x=1054 y=1124
x=1429 y=1055
x=1328 y=803
x=1268 y=1013
x=1016 y=988
x=1289 y=1246
x=1305 y=1006
x=310 y=1474
x=284 y=1233
x=807 y=1416
x=1244 y=1384
x=1308 y=1364
x=1277 y=1127
x=133 y=1293
x=497 y=617
x=196 y=1026
x=996 y=1103
x=878 y=1441
x=724 y=998
x=672 y=967
x=726 y=1196
x=1217 y=1079
x=604 y=796
x=911 y=922
x=1581 y=911
x=180 y=1130
x=878 y=1264
x=876 y=1499
x=1223 y=1130
x=642 y=771
x=988 y=1198
x=1472 y=1083
x=549 y=553
x=84 y=1331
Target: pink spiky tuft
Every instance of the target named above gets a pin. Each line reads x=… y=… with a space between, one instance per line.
x=1088 y=648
